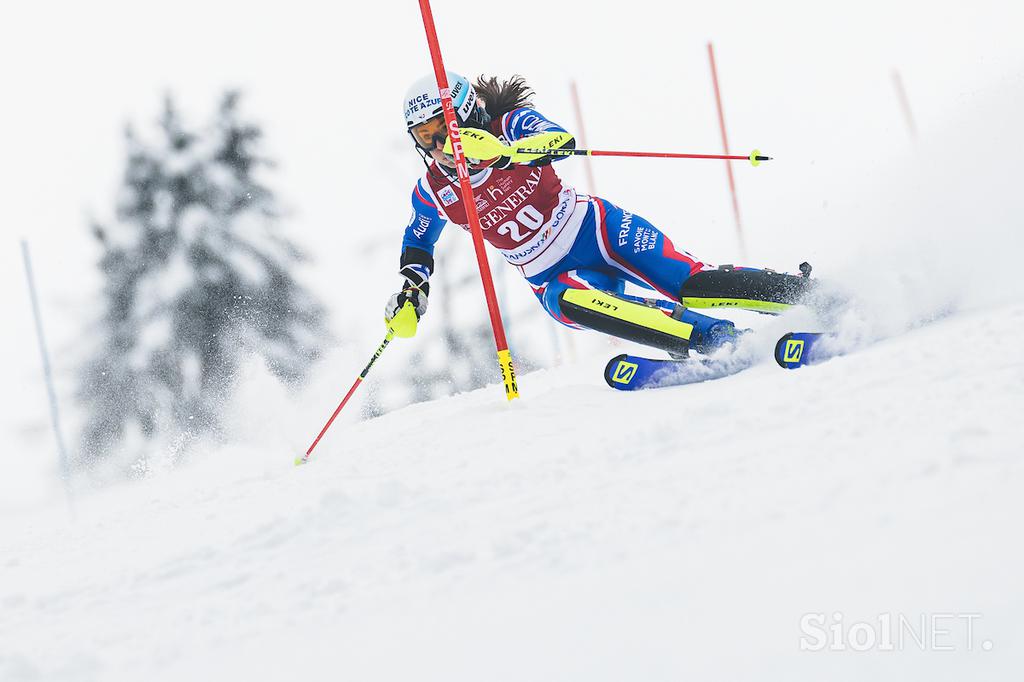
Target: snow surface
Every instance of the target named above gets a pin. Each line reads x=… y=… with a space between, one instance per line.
x=579 y=533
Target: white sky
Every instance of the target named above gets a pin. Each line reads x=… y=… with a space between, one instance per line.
x=807 y=82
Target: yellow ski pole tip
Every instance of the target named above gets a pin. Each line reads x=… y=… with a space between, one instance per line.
x=756 y=157
x=299 y=461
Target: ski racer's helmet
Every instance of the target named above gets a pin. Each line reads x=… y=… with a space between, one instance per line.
x=424 y=117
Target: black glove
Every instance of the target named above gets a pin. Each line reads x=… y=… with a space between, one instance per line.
x=416 y=266
x=409 y=294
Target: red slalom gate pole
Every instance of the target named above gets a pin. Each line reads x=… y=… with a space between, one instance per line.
x=582 y=136
x=901 y=95
x=508 y=374
x=725 y=147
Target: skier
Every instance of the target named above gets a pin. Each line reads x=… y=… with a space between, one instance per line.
x=576 y=251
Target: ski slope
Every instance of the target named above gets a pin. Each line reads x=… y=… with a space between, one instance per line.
x=577 y=534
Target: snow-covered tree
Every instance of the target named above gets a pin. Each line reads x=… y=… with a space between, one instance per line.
x=197 y=278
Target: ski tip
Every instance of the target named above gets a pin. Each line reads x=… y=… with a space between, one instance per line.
x=620 y=372
x=783 y=350
x=793 y=349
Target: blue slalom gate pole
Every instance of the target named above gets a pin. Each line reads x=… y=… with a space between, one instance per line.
x=47 y=373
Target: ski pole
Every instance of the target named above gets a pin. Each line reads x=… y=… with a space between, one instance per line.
x=403 y=324
x=755 y=158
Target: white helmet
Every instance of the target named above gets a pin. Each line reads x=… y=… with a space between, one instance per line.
x=423 y=99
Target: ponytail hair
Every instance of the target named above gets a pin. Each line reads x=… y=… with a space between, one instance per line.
x=499 y=98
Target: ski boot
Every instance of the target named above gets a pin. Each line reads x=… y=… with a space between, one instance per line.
x=709 y=333
x=763 y=291
x=661 y=324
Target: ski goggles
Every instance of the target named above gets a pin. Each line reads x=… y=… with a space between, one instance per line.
x=429 y=131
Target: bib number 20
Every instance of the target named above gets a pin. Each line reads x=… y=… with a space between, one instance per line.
x=527 y=220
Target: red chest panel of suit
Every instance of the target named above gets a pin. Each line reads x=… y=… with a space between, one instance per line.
x=512 y=203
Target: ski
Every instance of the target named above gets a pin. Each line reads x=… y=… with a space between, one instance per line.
x=634 y=373
x=798 y=349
